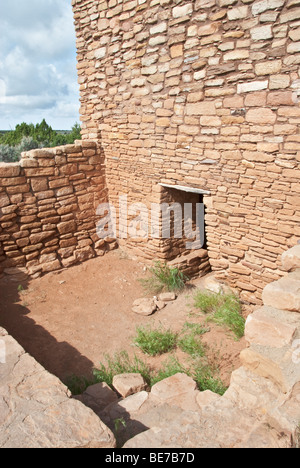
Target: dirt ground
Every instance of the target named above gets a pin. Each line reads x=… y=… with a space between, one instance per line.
x=69 y=320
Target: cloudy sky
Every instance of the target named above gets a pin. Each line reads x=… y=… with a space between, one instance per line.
x=38 y=77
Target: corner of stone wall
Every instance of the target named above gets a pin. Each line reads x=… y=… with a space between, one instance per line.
x=48 y=208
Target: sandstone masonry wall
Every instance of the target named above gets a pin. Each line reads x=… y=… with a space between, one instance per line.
x=203 y=94
x=48 y=206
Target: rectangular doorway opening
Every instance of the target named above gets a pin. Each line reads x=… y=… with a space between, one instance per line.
x=184 y=241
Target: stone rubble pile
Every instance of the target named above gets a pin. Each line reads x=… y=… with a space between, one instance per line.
x=149 y=305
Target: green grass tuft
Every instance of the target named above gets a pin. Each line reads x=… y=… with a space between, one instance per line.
x=207 y=379
x=164 y=278
x=223 y=309
x=155 y=341
x=121 y=363
x=190 y=339
x=171 y=367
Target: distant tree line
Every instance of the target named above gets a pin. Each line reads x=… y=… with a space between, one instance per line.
x=26 y=137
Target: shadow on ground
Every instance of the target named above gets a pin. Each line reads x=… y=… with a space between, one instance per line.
x=59 y=358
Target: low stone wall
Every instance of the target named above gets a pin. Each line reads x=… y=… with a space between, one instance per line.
x=48 y=204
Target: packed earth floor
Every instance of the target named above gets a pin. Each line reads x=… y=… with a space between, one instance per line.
x=69 y=320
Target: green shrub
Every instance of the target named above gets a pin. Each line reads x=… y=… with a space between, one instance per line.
x=164 y=278
x=222 y=309
x=155 y=341
x=8 y=154
x=26 y=137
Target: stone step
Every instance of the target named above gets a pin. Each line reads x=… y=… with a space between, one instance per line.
x=220 y=425
x=266 y=436
x=251 y=392
x=291 y=258
x=272 y=327
x=280 y=412
x=285 y=293
x=280 y=365
x=242 y=418
x=144 y=410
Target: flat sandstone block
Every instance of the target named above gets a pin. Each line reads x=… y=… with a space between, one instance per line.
x=291 y=258
x=128 y=384
x=284 y=294
x=272 y=327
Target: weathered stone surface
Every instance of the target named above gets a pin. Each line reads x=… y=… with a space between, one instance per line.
x=206 y=398
x=268 y=68
x=262 y=33
x=252 y=392
x=127 y=384
x=284 y=293
x=167 y=297
x=144 y=306
x=138 y=413
x=182 y=10
x=264 y=5
x=178 y=390
x=291 y=258
x=261 y=116
x=272 y=327
x=276 y=365
x=98 y=397
x=216 y=426
x=201 y=108
x=252 y=86
x=285 y=416
x=36 y=408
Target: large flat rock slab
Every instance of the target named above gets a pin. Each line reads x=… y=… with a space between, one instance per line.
x=36 y=410
x=291 y=258
x=284 y=294
x=272 y=327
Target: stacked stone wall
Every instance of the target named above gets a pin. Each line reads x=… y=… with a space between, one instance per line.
x=203 y=94
x=48 y=206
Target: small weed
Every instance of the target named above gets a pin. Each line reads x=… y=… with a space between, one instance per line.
x=164 y=278
x=222 y=309
x=171 y=367
x=121 y=363
x=190 y=340
x=155 y=341
x=296 y=443
x=195 y=328
x=20 y=288
x=207 y=378
x=192 y=345
x=118 y=423
x=206 y=301
x=78 y=384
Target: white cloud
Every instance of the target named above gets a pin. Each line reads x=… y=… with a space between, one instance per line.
x=38 y=76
